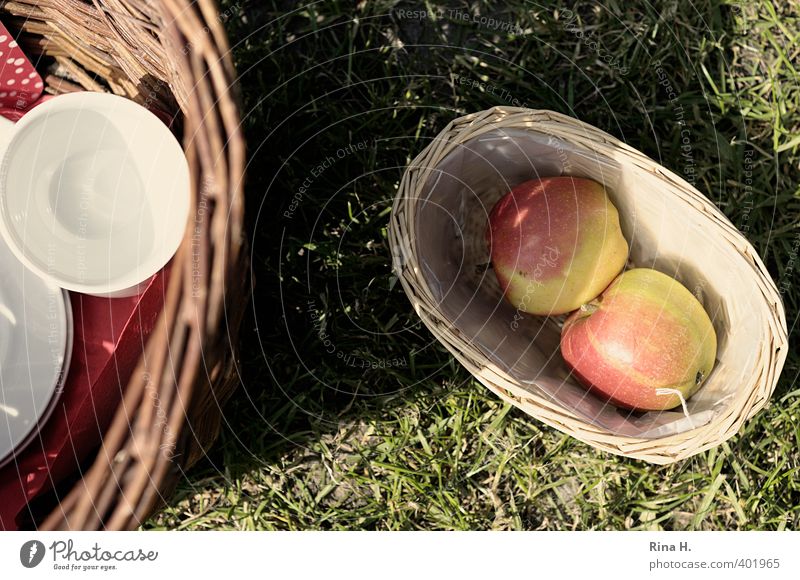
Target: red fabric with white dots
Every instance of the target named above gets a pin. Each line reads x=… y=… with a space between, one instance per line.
x=20 y=84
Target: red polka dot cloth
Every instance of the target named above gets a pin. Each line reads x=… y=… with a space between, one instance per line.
x=20 y=84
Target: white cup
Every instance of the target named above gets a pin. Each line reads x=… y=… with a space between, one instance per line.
x=94 y=193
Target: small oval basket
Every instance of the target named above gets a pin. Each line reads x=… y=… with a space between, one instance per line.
x=436 y=234
x=173 y=57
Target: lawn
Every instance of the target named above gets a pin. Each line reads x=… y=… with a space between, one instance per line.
x=350 y=414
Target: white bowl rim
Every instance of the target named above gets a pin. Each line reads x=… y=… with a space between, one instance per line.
x=146 y=269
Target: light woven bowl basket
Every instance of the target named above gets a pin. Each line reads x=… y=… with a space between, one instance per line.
x=170 y=55
x=436 y=234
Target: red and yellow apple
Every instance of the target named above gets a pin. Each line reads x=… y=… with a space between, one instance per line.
x=644 y=344
x=555 y=243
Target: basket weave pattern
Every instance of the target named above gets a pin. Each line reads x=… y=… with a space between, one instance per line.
x=170 y=55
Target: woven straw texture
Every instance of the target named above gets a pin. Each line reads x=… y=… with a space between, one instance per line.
x=171 y=55
x=670 y=226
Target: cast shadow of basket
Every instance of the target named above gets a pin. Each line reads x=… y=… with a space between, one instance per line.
x=306 y=365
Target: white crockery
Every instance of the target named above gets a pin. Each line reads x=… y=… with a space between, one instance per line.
x=94 y=193
x=35 y=349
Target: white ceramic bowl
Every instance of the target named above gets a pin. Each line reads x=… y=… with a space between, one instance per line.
x=94 y=193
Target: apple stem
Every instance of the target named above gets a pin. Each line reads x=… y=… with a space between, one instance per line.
x=668 y=391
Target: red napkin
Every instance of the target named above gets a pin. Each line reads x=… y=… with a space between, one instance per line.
x=109 y=336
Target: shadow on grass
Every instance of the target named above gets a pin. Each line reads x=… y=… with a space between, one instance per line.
x=338 y=100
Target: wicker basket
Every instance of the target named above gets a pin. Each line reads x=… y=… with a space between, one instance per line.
x=172 y=56
x=436 y=234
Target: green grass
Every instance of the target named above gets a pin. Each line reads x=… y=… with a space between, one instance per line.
x=313 y=441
